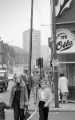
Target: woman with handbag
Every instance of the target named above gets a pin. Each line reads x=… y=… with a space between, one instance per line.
x=19 y=98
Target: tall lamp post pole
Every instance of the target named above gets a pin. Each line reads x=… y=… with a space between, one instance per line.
x=54 y=52
x=30 y=43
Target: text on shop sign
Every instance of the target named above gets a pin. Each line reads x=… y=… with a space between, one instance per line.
x=63 y=42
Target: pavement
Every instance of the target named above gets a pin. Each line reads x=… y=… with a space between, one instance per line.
x=65 y=111
x=65 y=106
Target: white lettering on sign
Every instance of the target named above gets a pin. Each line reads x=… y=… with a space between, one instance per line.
x=64 y=40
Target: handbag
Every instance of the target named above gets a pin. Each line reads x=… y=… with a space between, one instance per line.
x=31 y=116
x=26 y=114
x=9 y=114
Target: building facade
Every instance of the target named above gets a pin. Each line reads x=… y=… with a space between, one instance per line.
x=36 y=36
x=65 y=44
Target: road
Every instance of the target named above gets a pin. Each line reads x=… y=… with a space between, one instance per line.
x=4 y=97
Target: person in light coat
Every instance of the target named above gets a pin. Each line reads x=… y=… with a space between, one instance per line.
x=44 y=99
x=63 y=87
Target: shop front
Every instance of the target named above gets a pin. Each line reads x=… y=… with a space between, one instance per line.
x=65 y=45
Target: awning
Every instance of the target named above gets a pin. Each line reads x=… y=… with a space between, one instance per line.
x=66 y=58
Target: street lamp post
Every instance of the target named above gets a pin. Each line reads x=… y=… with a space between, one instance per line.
x=30 y=43
x=54 y=54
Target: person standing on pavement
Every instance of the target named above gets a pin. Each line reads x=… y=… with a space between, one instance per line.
x=19 y=98
x=44 y=97
x=27 y=80
x=36 y=79
x=30 y=84
x=63 y=88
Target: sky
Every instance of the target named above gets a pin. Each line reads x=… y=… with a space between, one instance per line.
x=15 y=19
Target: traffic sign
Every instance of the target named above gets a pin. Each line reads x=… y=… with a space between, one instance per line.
x=55 y=62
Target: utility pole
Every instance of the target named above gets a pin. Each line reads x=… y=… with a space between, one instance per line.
x=54 y=54
x=30 y=43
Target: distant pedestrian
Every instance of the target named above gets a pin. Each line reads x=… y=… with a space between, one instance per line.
x=44 y=97
x=25 y=77
x=15 y=77
x=36 y=79
x=19 y=99
x=63 y=88
x=30 y=84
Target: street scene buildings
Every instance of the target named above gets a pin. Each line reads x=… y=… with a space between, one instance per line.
x=36 y=45
x=65 y=45
x=40 y=78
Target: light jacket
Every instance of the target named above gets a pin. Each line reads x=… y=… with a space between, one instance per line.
x=63 y=84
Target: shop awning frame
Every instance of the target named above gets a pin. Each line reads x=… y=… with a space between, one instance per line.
x=62 y=62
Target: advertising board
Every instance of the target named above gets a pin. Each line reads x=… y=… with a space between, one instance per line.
x=65 y=42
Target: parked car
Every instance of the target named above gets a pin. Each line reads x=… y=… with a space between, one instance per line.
x=3 y=80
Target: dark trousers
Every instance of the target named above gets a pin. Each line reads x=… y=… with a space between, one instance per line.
x=18 y=113
x=28 y=90
x=43 y=111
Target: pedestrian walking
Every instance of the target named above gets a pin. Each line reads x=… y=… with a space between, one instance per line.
x=30 y=84
x=44 y=97
x=63 y=88
x=19 y=98
x=28 y=81
x=15 y=77
x=36 y=79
